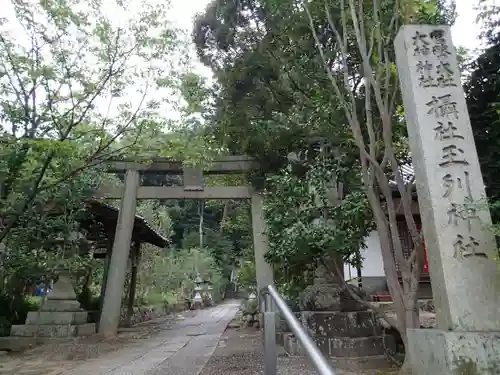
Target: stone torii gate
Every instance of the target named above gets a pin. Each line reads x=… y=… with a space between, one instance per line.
x=193 y=189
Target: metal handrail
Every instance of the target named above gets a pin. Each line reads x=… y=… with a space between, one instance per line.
x=270 y=359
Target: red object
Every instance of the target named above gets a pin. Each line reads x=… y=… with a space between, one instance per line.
x=382 y=297
x=426 y=263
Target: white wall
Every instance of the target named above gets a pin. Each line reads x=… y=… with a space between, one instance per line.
x=372 y=259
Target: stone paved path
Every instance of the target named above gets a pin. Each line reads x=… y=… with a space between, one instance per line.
x=180 y=348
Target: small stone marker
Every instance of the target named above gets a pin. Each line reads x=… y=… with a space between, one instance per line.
x=193 y=179
x=465 y=280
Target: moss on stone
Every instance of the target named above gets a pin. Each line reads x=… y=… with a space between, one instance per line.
x=468 y=367
x=465 y=367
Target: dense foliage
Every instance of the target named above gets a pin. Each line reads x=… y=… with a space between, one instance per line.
x=483 y=100
x=305 y=225
x=294 y=74
x=79 y=86
x=273 y=95
x=78 y=89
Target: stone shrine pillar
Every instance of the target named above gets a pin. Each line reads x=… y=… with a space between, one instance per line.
x=465 y=280
x=263 y=270
x=110 y=313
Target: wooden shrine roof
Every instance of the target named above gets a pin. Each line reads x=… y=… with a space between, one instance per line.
x=107 y=216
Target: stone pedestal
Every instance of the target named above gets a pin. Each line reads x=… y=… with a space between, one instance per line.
x=208 y=298
x=434 y=351
x=60 y=316
x=197 y=301
x=353 y=340
x=342 y=328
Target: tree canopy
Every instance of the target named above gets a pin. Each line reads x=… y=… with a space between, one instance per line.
x=482 y=90
x=273 y=96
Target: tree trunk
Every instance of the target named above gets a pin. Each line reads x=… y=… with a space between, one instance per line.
x=200 y=226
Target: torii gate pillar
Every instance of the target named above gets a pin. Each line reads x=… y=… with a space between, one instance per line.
x=110 y=313
x=263 y=270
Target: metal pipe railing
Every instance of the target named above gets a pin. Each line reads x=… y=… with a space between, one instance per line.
x=272 y=298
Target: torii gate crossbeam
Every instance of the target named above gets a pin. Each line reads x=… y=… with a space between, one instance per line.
x=193 y=189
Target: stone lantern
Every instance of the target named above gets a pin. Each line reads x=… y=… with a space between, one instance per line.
x=197 y=301
x=207 y=293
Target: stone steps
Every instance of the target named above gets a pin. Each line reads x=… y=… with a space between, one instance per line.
x=343 y=346
x=53 y=330
x=352 y=354
x=56 y=317
x=365 y=363
x=352 y=341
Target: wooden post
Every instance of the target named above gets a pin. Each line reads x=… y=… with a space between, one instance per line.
x=136 y=248
x=104 y=281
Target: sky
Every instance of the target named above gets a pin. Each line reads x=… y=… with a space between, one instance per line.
x=464 y=32
x=182 y=13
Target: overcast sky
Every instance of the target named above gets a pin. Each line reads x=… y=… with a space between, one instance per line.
x=464 y=32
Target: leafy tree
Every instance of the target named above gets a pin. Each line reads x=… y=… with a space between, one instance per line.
x=280 y=89
x=305 y=228
x=483 y=93
x=489 y=17
x=370 y=36
x=65 y=93
x=482 y=90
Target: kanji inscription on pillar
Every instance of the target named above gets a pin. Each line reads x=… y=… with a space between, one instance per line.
x=448 y=178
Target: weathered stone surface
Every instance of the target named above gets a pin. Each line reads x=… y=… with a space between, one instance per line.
x=110 y=312
x=263 y=270
x=53 y=330
x=460 y=246
x=61 y=305
x=350 y=304
x=436 y=351
x=321 y=297
x=366 y=363
x=343 y=346
x=63 y=289
x=329 y=297
x=57 y=317
x=345 y=324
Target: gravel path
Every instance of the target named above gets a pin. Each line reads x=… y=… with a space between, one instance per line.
x=240 y=352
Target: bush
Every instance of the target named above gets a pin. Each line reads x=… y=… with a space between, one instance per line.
x=168 y=277
x=246 y=277
x=155 y=299
x=14 y=310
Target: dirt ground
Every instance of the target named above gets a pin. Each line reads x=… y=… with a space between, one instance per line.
x=240 y=352
x=61 y=355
